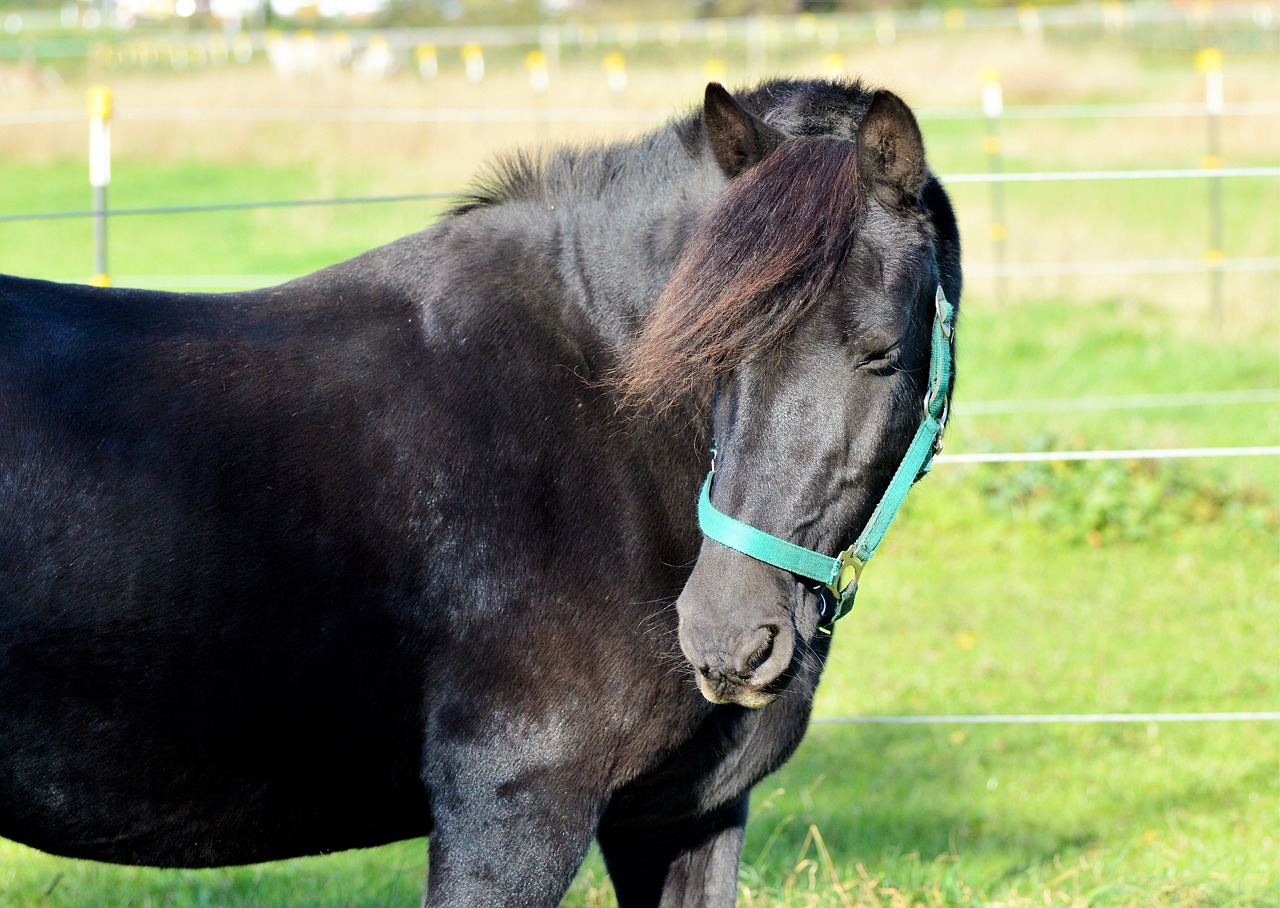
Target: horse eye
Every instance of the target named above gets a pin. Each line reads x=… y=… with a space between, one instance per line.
x=884 y=361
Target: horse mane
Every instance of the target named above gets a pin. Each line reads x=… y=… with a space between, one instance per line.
x=798 y=107
x=754 y=266
x=567 y=172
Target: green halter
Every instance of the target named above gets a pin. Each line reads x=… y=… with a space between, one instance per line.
x=840 y=574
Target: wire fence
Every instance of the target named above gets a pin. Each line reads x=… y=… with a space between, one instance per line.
x=1115 y=402
x=1111 y=454
x=952 y=179
x=613 y=114
x=758 y=34
x=1050 y=718
x=228 y=206
x=1208 y=263
x=1118 y=402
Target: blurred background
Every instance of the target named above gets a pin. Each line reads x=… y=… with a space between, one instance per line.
x=1062 y=680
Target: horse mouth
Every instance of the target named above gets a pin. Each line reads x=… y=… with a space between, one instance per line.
x=750 y=696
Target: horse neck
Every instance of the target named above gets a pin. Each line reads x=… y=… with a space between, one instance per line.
x=618 y=240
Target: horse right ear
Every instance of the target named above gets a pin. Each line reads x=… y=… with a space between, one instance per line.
x=738 y=138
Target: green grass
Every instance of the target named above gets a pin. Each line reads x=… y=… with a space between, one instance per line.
x=234 y=250
x=270 y=243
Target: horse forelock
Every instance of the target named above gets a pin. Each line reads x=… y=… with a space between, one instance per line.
x=753 y=268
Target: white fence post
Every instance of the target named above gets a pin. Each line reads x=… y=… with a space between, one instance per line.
x=99 y=103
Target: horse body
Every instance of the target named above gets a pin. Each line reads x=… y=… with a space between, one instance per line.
x=373 y=555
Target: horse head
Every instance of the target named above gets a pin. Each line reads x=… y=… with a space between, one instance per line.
x=809 y=296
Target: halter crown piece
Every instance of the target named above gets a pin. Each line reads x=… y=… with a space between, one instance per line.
x=839 y=575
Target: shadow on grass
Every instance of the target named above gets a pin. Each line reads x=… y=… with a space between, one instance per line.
x=995 y=811
x=879 y=794
x=933 y=812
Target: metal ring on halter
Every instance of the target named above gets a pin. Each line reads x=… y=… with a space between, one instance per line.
x=928 y=397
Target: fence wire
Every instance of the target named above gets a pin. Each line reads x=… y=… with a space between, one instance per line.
x=619 y=114
x=1200 y=173
x=1118 y=402
x=1115 y=454
x=1050 y=719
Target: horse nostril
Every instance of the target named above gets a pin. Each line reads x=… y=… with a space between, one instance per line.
x=756 y=651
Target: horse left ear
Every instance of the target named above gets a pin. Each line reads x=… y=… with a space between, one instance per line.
x=891 y=152
x=738 y=138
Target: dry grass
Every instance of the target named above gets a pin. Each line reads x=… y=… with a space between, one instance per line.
x=927 y=70
x=1071 y=223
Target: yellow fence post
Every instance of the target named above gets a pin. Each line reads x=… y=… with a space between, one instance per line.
x=1209 y=62
x=539 y=73
x=99 y=104
x=1029 y=20
x=993 y=109
x=473 y=62
x=428 y=62
x=615 y=69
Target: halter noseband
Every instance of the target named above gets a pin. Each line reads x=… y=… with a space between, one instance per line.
x=840 y=574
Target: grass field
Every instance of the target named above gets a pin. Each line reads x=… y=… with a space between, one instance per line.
x=1113 y=587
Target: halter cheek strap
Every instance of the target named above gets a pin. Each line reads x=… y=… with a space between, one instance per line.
x=840 y=574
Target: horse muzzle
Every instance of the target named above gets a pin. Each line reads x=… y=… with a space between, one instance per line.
x=748 y=668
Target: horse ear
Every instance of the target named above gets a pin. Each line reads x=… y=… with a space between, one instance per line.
x=738 y=138
x=891 y=152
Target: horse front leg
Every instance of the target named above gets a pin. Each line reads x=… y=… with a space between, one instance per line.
x=693 y=864
x=507 y=835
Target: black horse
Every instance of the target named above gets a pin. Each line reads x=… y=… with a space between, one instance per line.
x=409 y=546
